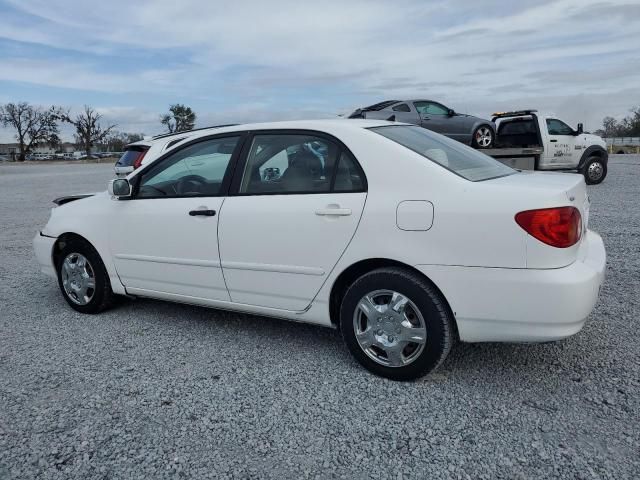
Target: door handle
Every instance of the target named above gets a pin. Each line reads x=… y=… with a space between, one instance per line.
x=204 y=213
x=337 y=211
x=553 y=140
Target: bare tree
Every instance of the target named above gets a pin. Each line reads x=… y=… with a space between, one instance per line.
x=179 y=119
x=610 y=126
x=88 y=128
x=33 y=125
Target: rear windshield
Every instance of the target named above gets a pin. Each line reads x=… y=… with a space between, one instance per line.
x=129 y=156
x=451 y=154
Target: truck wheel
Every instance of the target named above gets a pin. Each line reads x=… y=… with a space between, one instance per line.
x=483 y=137
x=594 y=171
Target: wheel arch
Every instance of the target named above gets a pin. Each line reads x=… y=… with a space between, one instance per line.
x=356 y=270
x=69 y=235
x=593 y=151
x=62 y=240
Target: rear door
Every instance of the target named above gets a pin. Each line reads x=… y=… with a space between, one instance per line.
x=298 y=199
x=560 y=146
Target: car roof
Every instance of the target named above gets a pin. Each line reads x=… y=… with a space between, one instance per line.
x=331 y=126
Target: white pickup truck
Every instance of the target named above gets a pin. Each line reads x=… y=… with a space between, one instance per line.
x=527 y=140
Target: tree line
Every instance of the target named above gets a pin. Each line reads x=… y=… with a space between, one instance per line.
x=629 y=126
x=36 y=126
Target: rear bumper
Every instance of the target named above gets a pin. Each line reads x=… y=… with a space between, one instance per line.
x=523 y=305
x=43 y=247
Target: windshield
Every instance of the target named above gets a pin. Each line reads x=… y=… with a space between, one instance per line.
x=451 y=154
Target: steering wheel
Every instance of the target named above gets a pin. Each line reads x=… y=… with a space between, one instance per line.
x=190 y=184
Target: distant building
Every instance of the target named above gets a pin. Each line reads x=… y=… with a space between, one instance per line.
x=10 y=150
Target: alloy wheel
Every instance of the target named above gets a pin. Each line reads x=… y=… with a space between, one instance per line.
x=484 y=136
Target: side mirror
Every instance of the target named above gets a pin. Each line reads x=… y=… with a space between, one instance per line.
x=451 y=112
x=120 y=188
x=580 y=128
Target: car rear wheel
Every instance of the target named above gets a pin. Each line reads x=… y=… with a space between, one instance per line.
x=483 y=137
x=83 y=278
x=594 y=171
x=396 y=324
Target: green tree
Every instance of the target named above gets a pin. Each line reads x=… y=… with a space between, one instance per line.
x=179 y=119
x=33 y=125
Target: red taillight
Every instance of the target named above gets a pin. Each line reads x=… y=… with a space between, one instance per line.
x=138 y=161
x=559 y=227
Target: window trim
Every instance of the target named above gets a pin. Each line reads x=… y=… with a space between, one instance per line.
x=236 y=181
x=158 y=163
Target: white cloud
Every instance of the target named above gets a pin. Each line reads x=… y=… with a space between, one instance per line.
x=288 y=58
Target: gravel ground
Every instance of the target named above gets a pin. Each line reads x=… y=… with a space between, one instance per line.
x=159 y=390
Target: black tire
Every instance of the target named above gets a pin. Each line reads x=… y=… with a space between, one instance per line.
x=478 y=141
x=435 y=312
x=102 y=296
x=594 y=170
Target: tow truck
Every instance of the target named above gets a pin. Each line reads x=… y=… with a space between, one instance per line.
x=527 y=140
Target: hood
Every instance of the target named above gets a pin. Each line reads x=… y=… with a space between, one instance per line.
x=592 y=139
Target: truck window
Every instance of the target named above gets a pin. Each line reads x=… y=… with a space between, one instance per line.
x=558 y=127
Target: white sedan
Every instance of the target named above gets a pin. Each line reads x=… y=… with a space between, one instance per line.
x=402 y=238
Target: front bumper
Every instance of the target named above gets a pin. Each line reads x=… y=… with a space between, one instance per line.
x=43 y=247
x=523 y=305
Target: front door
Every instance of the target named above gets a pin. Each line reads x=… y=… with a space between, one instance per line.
x=165 y=239
x=434 y=117
x=561 y=143
x=298 y=202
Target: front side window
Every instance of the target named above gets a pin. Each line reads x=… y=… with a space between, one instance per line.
x=558 y=127
x=430 y=108
x=452 y=155
x=289 y=163
x=194 y=171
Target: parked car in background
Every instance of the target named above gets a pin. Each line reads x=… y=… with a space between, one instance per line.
x=142 y=152
x=320 y=226
x=470 y=130
x=529 y=140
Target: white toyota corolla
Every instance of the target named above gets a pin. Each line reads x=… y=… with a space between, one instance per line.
x=404 y=239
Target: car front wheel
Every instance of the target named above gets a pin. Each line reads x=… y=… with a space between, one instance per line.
x=396 y=324
x=594 y=171
x=483 y=137
x=82 y=277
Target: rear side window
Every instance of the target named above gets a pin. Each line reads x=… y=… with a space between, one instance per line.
x=130 y=156
x=298 y=163
x=403 y=107
x=450 y=154
x=348 y=175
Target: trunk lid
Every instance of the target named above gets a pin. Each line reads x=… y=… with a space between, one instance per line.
x=537 y=190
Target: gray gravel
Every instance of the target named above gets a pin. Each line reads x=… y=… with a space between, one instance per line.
x=159 y=390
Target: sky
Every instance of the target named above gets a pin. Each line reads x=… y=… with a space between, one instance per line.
x=247 y=61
